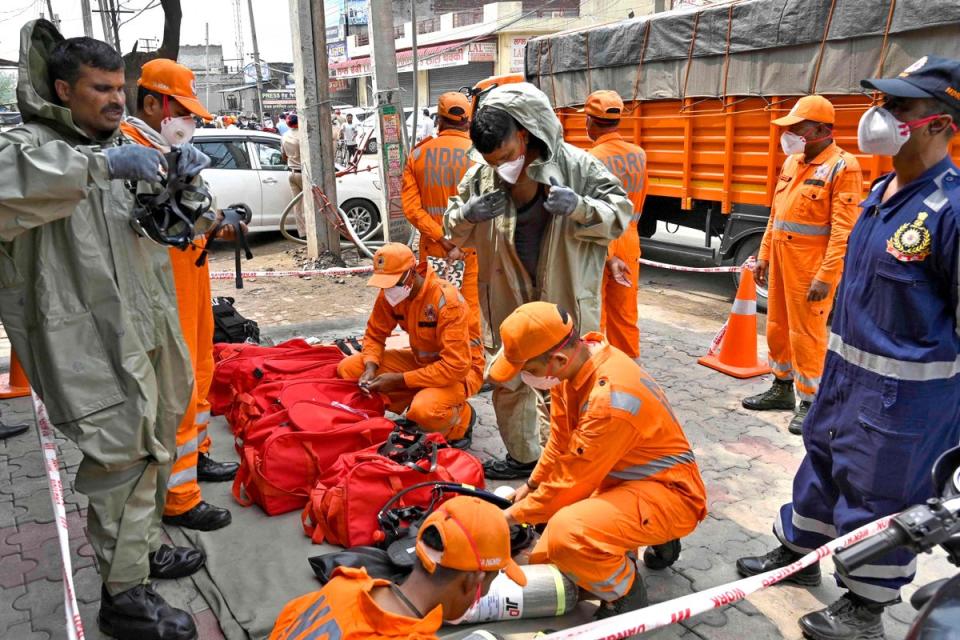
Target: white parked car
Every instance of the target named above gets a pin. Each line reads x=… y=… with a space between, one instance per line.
x=369 y=124
x=246 y=168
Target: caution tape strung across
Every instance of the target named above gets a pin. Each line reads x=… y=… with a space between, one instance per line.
x=48 y=445
x=674 y=267
x=332 y=272
x=680 y=609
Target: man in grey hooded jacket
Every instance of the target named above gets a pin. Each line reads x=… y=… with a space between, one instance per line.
x=540 y=214
x=90 y=310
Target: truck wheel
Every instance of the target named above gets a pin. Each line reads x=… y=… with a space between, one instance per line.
x=749 y=247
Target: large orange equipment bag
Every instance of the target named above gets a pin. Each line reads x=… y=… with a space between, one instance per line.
x=283 y=458
x=343 y=506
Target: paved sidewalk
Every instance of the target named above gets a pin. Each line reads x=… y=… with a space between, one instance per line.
x=747 y=461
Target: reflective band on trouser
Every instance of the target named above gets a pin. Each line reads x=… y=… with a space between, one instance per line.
x=799 y=227
x=783 y=370
x=744 y=307
x=641 y=471
x=617 y=585
x=870 y=591
x=892 y=368
x=182 y=477
x=806 y=387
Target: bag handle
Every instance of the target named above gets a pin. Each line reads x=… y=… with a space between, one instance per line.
x=241 y=479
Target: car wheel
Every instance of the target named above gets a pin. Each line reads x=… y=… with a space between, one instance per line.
x=371 y=146
x=363 y=216
x=749 y=247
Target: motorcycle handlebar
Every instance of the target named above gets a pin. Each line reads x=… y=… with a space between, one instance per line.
x=863 y=552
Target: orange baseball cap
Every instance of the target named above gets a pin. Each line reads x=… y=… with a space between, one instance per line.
x=453 y=105
x=531 y=330
x=391 y=261
x=813 y=108
x=475 y=537
x=175 y=80
x=604 y=104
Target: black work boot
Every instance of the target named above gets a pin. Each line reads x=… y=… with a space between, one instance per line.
x=796 y=425
x=776 y=559
x=508 y=469
x=661 y=556
x=169 y=563
x=210 y=470
x=141 y=614
x=467 y=439
x=849 y=618
x=635 y=598
x=779 y=397
x=203 y=517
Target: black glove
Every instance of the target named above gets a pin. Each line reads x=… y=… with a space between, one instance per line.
x=485 y=207
x=135 y=162
x=561 y=201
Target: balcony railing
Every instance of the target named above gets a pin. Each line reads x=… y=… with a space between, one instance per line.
x=398 y=32
x=468 y=17
x=363 y=39
x=431 y=25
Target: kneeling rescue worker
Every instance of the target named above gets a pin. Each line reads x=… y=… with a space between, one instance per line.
x=617 y=472
x=443 y=366
x=461 y=548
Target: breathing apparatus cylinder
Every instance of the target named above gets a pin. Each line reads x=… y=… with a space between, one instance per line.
x=548 y=594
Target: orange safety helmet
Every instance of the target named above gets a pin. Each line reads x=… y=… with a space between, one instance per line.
x=485 y=86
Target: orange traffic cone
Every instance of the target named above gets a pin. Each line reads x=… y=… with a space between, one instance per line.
x=737 y=355
x=14 y=384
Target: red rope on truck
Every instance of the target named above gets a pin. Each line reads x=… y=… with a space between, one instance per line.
x=823 y=46
x=636 y=83
x=693 y=42
x=883 y=45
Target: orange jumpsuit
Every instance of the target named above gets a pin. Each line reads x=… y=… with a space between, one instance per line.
x=618 y=305
x=617 y=473
x=196 y=322
x=814 y=208
x=444 y=364
x=344 y=608
x=433 y=171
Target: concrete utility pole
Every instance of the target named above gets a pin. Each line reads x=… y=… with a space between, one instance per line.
x=53 y=17
x=386 y=89
x=256 y=62
x=87 y=18
x=308 y=30
x=206 y=65
x=416 y=74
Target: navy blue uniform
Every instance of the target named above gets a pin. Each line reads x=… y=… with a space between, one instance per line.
x=889 y=402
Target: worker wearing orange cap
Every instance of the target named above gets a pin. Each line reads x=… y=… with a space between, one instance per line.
x=166 y=106
x=461 y=547
x=431 y=176
x=801 y=257
x=617 y=472
x=621 y=278
x=443 y=366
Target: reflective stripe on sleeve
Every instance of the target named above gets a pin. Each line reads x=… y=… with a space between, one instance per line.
x=625 y=402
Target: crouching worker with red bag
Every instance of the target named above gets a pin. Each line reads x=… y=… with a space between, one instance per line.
x=443 y=366
x=617 y=472
x=461 y=548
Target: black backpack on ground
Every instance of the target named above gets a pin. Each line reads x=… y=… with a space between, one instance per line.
x=230 y=326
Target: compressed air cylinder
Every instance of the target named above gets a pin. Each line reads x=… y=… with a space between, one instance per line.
x=548 y=593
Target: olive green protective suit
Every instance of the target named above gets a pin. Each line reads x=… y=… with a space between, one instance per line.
x=90 y=310
x=573 y=250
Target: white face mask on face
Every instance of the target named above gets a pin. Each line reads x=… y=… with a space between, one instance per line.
x=791 y=143
x=543 y=383
x=177 y=130
x=880 y=133
x=510 y=171
x=397 y=294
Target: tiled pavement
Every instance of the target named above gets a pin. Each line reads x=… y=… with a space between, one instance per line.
x=747 y=461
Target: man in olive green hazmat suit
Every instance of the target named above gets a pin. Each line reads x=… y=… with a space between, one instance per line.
x=90 y=310
x=540 y=214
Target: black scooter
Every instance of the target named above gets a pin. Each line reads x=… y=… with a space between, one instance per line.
x=920 y=528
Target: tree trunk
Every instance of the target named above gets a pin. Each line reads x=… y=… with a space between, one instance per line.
x=169 y=48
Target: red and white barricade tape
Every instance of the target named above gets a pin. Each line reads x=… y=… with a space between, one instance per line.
x=48 y=445
x=332 y=272
x=674 y=267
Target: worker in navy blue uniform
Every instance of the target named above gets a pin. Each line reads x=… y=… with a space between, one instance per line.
x=889 y=402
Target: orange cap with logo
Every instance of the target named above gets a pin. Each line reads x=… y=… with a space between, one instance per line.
x=453 y=105
x=604 y=104
x=391 y=261
x=813 y=108
x=475 y=537
x=530 y=331
x=175 y=80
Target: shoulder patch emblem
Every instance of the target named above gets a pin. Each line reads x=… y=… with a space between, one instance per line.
x=821 y=172
x=911 y=242
x=430 y=313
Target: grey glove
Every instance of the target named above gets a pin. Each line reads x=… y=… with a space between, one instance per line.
x=192 y=161
x=561 y=201
x=135 y=162
x=485 y=207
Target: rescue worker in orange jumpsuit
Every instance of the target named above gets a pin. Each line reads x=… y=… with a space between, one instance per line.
x=621 y=277
x=433 y=172
x=443 y=366
x=461 y=547
x=617 y=472
x=166 y=105
x=801 y=256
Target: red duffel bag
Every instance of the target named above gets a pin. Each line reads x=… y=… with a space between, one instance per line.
x=282 y=461
x=271 y=397
x=343 y=506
